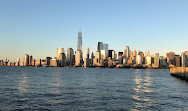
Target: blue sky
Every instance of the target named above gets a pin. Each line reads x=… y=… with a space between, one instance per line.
x=38 y=27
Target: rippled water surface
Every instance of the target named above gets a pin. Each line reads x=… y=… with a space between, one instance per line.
x=86 y=89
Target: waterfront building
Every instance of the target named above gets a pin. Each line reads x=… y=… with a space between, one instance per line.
x=120 y=54
x=53 y=62
x=120 y=58
x=62 y=60
x=105 y=47
x=48 y=60
x=70 y=53
x=86 y=62
x=1 y=62
x=92 y=57
x=139 y=60
x=135 y=53
x=38 y=62
x=114 y=55
x=9 y=64
x=162 y=62
x=72 y=62
x=124 y=61
x=78 y=58
x=43 y=63
x=131 y=54
x=127 y=53
x=18 y=62
x=156 y=60
x=170 y=58
x=130 y=61
x=103 y=54
x=59 y=51
x=148 y=61
x=184 y=59
x=87 y=52
x=110 y=53
x=110 y=62
x=97 y=56
x=177 y=60
x=79 y=44
x=33 y=62
x=30 y=60
x=26 y=60
x=99 y=46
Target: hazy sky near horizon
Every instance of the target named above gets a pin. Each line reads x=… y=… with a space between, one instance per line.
x=39 y=27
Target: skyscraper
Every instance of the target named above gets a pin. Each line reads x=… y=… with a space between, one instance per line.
x=103 y=54
x=100 y=46
x=79 y=45
x=110 y=53
x=183 y=59
x=30 y=60
x=127 y=53
x=59 y=51
x=105 y=47
x=139 y=60
x=18 y=62
x=92 y=57
x=170 y=57
x=156 y=60
x=78 y=58
x=87 y=52
x=135 y=53
x=26 y=60
x=70 y=54
x=62 y=59
x=177 y=60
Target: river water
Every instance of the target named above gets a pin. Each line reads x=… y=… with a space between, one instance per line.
x=87 y=89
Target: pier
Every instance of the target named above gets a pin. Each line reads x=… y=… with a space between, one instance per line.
x=180 y=72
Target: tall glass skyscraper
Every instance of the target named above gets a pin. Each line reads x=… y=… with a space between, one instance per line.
x=79 y=45
x=59 y=51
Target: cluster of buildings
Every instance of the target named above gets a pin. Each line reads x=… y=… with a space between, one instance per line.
x=103 y=57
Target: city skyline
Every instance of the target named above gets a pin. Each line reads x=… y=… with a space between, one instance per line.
x=38 y=28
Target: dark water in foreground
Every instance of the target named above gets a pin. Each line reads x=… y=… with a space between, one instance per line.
x=87 y=89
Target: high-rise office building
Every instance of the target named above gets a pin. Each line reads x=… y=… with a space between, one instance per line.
x=79 y=44
x=170 y=58
x=59 y=51
x=162 y=62
x=156 y=60
x=184 y=59
x=92 y=57
x=114 y=55
x=110 y=53
x=18 y=62
x=139 y=60
x=87 y=52
x=177 y=60
x=78 y=58
x=48 y=60
x=120 y=54
x=148 y=61
x=30 y=60
x=62 y=59
x=53 y=62
x=135 y=53
x=97 y=56
x=127 y=53
x=105 y=47
x=103 y=54
x=99 y=46
x=70 y=54
x=26 y=60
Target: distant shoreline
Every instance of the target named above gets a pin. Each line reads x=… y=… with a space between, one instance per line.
x=98 y=67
